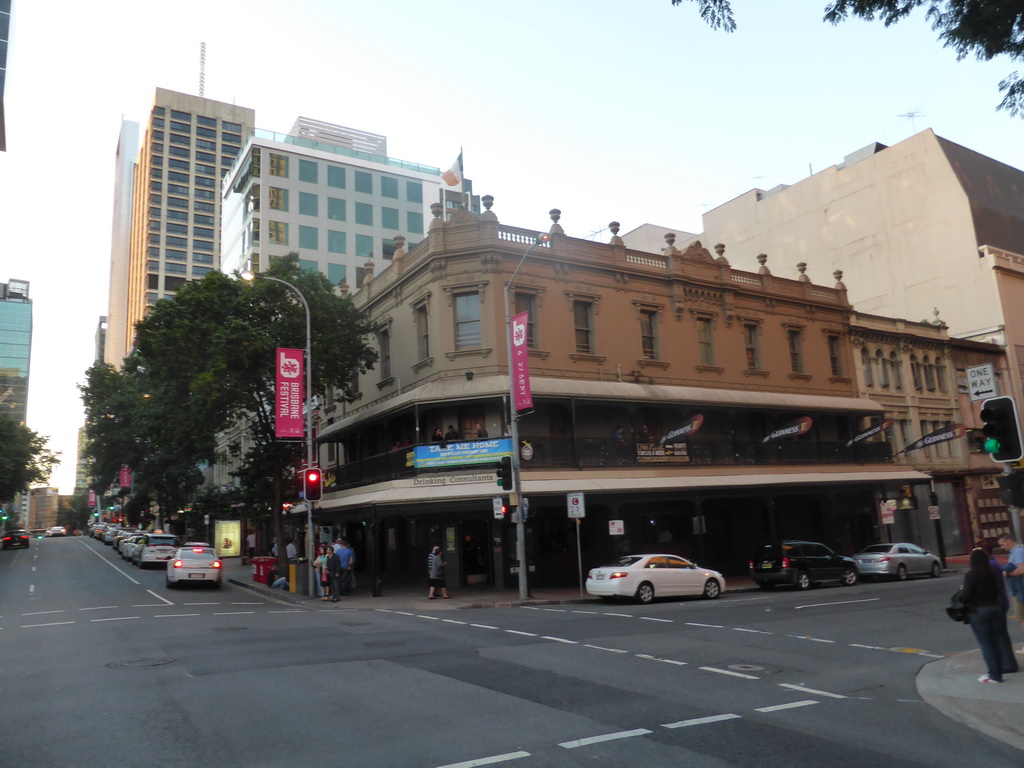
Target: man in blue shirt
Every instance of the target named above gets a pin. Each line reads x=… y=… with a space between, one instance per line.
x=1014 y=570
x=348 y=562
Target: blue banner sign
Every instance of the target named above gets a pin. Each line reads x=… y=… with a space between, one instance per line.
x=459 y=454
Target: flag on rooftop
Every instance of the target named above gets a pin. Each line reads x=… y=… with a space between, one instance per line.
x=453 y=175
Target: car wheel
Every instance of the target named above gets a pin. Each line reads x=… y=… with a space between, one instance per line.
x=645 y=592
x=849 y=577
x=803 y=580
x=936 y=570
x=712 y=589
x=901 y=573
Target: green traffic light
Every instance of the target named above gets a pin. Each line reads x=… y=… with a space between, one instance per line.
x=992 y=445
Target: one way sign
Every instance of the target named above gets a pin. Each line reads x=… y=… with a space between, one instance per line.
x=981 y=382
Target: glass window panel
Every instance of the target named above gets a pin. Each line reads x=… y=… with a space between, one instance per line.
x=335 y=177
x=335 y=209
x=388 y=218
x=364 y=214
x=364 y=182
x=308 y=171
x=337 y=242
x=308 y=238
x=389 y=187
x=308 y=205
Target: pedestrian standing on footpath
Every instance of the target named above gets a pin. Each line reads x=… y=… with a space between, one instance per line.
x=348 y=562
x=987 y=618
x=334 y=573
x=435 y=574
x=320 y=566
x=1014 y=570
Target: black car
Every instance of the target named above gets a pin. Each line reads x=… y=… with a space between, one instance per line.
x=801 y=564
x=16 y=537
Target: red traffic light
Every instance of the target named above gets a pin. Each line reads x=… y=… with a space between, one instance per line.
x=312 y=484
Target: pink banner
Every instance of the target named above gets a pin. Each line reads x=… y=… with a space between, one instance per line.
x=521 y=364
x=288 y=393
x=125 y=477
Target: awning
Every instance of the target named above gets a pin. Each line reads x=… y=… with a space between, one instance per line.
x=483 y=387
x=403 y=492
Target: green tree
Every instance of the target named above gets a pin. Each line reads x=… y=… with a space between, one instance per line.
x=24 y=459
x=982 y=28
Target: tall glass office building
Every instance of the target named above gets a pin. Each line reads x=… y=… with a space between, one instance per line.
x=15 y=348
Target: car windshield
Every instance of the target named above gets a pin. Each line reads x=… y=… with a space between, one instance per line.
x=624 y=562
x=161 y=541
x=876 y=548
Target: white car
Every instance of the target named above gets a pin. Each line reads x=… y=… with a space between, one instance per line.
x=897 y=561
x=198 y=565
x=57 y=530
x=154 y=548
x=644 y=577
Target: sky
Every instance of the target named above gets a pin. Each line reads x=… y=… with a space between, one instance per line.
x=608 y=110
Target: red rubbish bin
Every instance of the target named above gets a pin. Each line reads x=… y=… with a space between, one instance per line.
x=261 y=568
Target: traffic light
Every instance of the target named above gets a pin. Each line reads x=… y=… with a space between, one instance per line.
x=1001 y=429
x=505 y=473
x=312 y=484
x=1011 y=489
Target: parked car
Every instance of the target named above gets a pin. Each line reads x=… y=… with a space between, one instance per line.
x=194 y=565
x=897 y=561
x=109 y=533
x=644 y=577
x=15 y=537
x=801 y=564
x=154 y=548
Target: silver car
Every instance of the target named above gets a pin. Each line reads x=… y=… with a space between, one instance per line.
x=897 y=561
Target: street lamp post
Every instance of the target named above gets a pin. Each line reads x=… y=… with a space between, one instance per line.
x=250 y=275
x=516 y=500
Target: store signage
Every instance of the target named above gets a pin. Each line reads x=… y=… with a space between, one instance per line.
x=877 y=429
x=459 y=454
x=799 y=427
x=688 y=428
x=941 y=435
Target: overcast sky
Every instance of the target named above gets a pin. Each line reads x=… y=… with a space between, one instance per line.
x=632 y=111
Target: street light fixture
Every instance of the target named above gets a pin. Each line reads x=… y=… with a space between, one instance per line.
x=249 y=275
x=515 y=495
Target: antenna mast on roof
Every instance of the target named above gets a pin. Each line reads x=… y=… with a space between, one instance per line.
x=202 y=69
x=912 y=116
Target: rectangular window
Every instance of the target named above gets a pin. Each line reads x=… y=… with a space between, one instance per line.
x=388 y=218
x=583 y=321
x=706 y=340
x=178 y=115
x=336 y=273
x=278 y=199
x=384 y=340
x=337 y=242
x=795 y=338
x=178 y=229
x=835 y=359
x=335 y=209
x=648 y=327
x=308 y=238
x=209 y=122
x=277 y=231
x=752 y=345
x=388 y=187
x=422 y=319
x=414 y=222
x=364 y=246
x=308 y=204
x=467 y=320
x=278 y=165
x=364 y=182
x=206 y=133
x=307 y=171
x=364 y=214
x=527 y=302
x=335 y=177
x=414 y=192
x=178 y=165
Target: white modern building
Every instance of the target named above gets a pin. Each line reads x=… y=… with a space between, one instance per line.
x=329 y=193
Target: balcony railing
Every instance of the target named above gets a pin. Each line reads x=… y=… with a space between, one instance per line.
x=591 y=453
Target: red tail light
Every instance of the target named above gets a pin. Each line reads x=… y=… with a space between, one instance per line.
x=750 y=564
x=216 y=564
x=618 y=575
x=885 y=559
x=785 y=562
x=177 y=564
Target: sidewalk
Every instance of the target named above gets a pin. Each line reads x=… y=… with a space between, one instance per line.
x=950 y=684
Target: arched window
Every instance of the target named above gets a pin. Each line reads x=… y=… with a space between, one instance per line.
x=897 y=370
x=929 y=373
x=883 y=368
x=915 y=372
x=865 y=361
x=940 y=374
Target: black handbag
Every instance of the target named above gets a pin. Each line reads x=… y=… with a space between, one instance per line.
x=957 y=608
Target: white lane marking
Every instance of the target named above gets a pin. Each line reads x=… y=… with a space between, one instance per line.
x=400 y=613
x=754 y=631
x=602 y=648
x=207 y=603
x=648 y=618
x=232 y=613
x=289 y=610
x=555 y=610
x=811 y=690
x=51 y=624
x=519 y=632
x=790 y=705
x=99 y=608
x=700 y=721
x=559 y=640
x=101 y=557
x=256 y=602
x=808 y=637
x=31 y=588
x=841 y=602
x=40 y=613
x=418 y=616
x=625 y=615
x=709 y=626
x=595 y=613
x=869 y=647
x=606 y=737
x=174 y=615
x=454 y=621
x=33 y=569
x=115 y=618
x=487 y=760
x=729 y=672
x=656 y=658
x=483 y=626
x=164 y=600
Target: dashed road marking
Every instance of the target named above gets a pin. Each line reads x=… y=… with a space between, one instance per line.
x=602 y=648
x=815 y=691
x=790 y=705
x=729 y=672
x=657 y=658
x=487 y=760
x=701 y=721
x=115 y=618
x=605 y=737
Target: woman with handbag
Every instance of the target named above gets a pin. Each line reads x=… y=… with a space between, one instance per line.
x=987 y=617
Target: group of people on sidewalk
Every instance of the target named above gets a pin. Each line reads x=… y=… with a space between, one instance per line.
x=991 y=592
x=335 y=564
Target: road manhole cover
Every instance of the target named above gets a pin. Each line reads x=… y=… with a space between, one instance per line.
x=140 y=663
